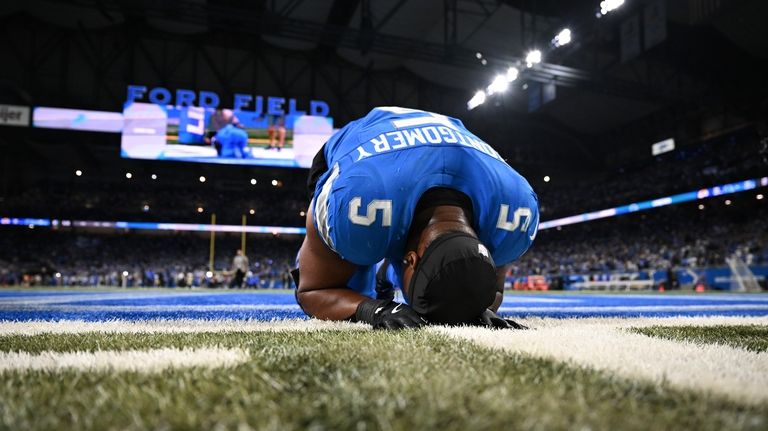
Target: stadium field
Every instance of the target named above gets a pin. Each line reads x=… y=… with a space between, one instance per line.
x=138 y=359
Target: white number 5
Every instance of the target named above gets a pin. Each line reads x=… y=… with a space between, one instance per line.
x=520 y=213
x=371 y=212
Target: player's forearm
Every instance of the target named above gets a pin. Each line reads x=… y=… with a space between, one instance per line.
x=330 y=304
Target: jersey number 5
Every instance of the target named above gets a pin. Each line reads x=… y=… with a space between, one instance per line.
x=385 y=205
x=521 y=219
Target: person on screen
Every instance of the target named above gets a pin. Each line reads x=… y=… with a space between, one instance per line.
x=409 y=199
x=276 y=132
x=233 y=142
x=220 y=119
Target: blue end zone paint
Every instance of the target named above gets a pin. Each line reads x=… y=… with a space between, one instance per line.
x=26 y=305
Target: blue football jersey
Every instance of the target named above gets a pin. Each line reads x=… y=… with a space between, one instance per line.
x=381 y=165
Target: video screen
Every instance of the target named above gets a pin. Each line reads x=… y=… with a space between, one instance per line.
x=195 y=134
x=77 y=119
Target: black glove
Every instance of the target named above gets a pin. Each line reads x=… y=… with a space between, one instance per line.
x=387 y=314
x=492 y=320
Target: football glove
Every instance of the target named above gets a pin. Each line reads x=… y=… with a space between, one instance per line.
x=388 y=314
x=492 y=320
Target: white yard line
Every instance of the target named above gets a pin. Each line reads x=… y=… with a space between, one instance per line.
x=598 y=343
x=172 y=326
x=606 y=345
x=146 y=361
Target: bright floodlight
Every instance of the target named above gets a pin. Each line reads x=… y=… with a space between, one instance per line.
x=200 y=209
x=202 y=179
x=610 y=5
x=476 y=100
x=275 y=183
x=546 y=178
x=78 y=172
x=701 y=206
x=533 y=57
x=479 y=55
x=128 y=175
x=760 y=196
x=562 y=38
x=727 y=201
x=208 y=274
x=154 y=176
x=499 y=85
x=512 y=74
x=252 y=211
x=253 y=181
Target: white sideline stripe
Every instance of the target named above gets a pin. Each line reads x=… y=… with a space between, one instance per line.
x=638 y=308
x=157 y=326
x=643 y=322
x=180 y=326
x=146 y=361
x=603 y=345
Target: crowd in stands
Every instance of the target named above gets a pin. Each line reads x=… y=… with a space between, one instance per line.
x=671 y=237
x=674 y=237
x=681 y=236
x=108 y=258
x=721 y=160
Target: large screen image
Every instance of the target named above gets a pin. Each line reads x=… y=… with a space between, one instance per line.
x=195 y=134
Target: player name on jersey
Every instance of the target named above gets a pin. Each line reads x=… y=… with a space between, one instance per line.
x=425 y=135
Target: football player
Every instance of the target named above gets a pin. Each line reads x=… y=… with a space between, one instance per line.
x=420 y=192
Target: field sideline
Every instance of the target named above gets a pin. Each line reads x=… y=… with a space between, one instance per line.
x=137 y=359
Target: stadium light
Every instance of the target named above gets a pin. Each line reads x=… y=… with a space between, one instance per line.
x=607 y=6
x=58 y=275
x=253 y=181
x=145 y=208
x=546 y=178
x=483 y=62
x=533 y=57
x=202 y=179
x=252 y=211
x=209 y=274
x=701 y=206
x=512 y=74
x=79 y=173
x=562 y=38
x=759 y=196
x=727 y=201
x=476 y=100
x=154 y=176
x=125 y=273
x=479 y=55
x=302 y=213
x=499 y=85
x=199 y=209
x=128 y=175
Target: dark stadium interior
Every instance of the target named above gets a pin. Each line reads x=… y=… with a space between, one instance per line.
x=703 y=85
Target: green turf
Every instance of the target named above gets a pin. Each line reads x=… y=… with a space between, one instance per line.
x=749 y=337
x=411 y=380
